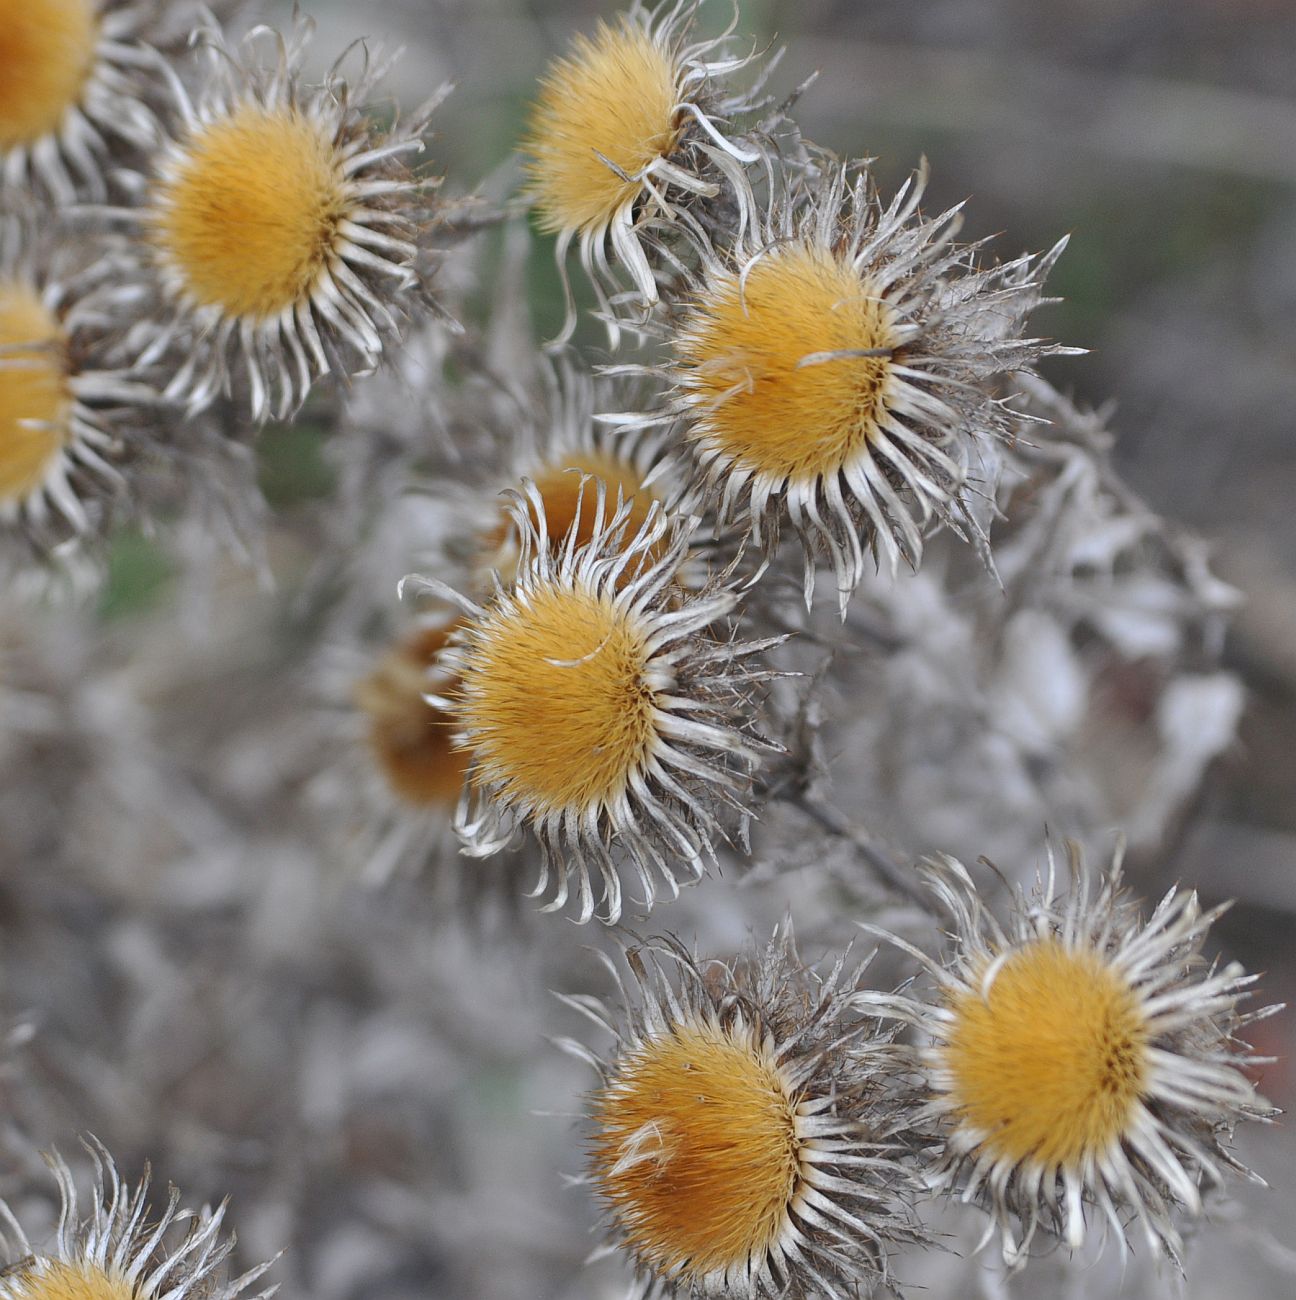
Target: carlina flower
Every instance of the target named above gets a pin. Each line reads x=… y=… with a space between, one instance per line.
x=741 y=1136
x=836 y=369
x=629 y=121
x=73 y=83
x=123 y=1248
x=410 y=739
x=284 y=226
x=69 y=412
x=1079 y=1056
x=563 y=455
x=601 y=708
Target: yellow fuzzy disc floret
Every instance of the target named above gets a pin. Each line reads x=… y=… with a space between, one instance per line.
x=557 y=700
x=34 y=399
x=410 y=739
x=612 y=98
x=755 y=353
x=568 y=506
x=55 y=1280
x=695 y=1149
x=1049 y=1064
x=47 y=50
x=250 y=217
x=571 y=505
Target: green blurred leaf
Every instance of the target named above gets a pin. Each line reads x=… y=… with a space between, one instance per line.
x=139 y=573
x=291 y=464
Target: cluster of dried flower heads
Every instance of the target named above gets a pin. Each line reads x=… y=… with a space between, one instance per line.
x=565 y=637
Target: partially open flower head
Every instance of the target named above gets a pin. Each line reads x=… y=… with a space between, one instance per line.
x=739 y=1138
x=1080 y=1057
x=835 y=372
x=70 y=414
x=629 y=125
x=123 y=1248
x=410 y=740
x=73 y=89
x=284 y=224
x=565 y=455
x=600 y=708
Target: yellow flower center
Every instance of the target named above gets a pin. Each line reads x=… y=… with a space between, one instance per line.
x=35 y=403
x=47 y=50
x=568 y=506
x=411 y=739
x=766 y=394
x=1050 y=1065
x=250 y=218
x=613 y=96
x=695 y=1149
x=558 y=698
x=55 y=1280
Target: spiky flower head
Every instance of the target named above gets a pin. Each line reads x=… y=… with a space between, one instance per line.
x=836 y=370
x=564 y=453
x=74 y=86
x=284 y=226
x=1079 y=1056
x=739 y=1140
x=410 y=739
x=71 y=412
x=629 y=125
x=601 y=706
x=123 y=1248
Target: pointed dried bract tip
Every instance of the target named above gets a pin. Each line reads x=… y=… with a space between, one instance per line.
x=119 y=1247
x=835 y=372
x=599 y=708
x=631 y=123
x=284 y=225
x=1080 y=1056
x=739 y=1140
x=69 y=415
x=72 y=87
x=410 y=740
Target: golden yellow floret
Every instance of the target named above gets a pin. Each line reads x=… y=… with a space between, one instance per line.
x=695 y=1149
x=55 y=1280
x=743 y=348
x=47 y=50
x=557 y=697
x=410 y=739
x=1051 y=1064
x=250 y=217
x=35 y=402
x=567 y=505
x=614 y=95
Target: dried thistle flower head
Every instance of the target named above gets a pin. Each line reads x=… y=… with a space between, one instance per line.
x=69 y=413
x=410 y=739
x=835 y=368
x=598 y=709
x=629 y=121
x=34 y=397
x=284 y=226
x=739 y=1137
x=564 y=459
x=1080 y=1056
x=123 y=1249
x=70 y=82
